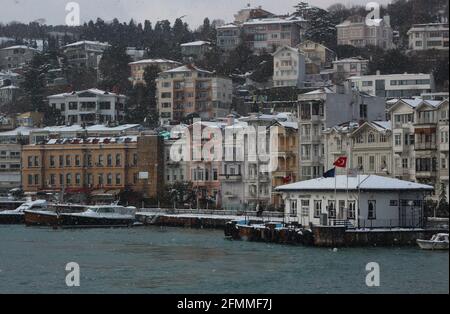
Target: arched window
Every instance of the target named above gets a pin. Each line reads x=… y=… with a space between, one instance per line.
x=109 y=160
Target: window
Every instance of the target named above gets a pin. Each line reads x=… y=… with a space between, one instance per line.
x=398 y=140
x=317 y=209
x=109 y=160
x=371 y=163
x=118 y=179
x=68 y=161
x=78 y=179
x=77 y=161
x=360 y=162
x=100 y=179
x=371 y=138
x=372 y=210
x=363 y=111
x=118 y=160
x=61 y=160
x=305 y=208
x=52 y=179
x=293 y=208
x=105 y=105
x=100 y=160
x=351 y=212
x=331 y=209
x=393 y=203
x=69 y=179
x=30 y=179
x=109 y=179
x=52 y=161
x=405 y=163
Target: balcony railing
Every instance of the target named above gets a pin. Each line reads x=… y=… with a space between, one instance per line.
x=425 y=146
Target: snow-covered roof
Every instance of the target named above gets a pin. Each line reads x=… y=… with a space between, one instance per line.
x=83 y=42
x=150 y=61
x=324 y=90
x=275 y=20
x=91 y=90
x=228 y=26
x=351 y=60
x=19 y=131
x=187 y=68
x=9 y=87
x=360 y=182
x=294 y=50
x=19 y=47
x=91 y=128
x=414 y=102
x=196 y=43
x=94 y=140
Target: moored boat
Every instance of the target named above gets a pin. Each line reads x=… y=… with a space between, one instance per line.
x=17 y=216
x=50 y=217
x=99 y=216
x=438 y=242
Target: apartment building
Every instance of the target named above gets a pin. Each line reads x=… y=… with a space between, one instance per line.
x=428 y=36
x=95 y=164
x=268 y=34
x=11 y=143
x=368 y=146
x=228 y=36
x=16 y=56
x=405 y=85
x=356 y=32
x=420 y=141
x=138 y=68
x=92 y=106
x=195 y=50
x=322 y=109
x=350 y=67
x=85 y=54
x=189 y=90
x=288 y=67
x=317 y=54
x=175 y=171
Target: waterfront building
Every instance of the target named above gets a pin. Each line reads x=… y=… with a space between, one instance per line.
x=11 y=143
x=175 y=171
x=322 y=109
x=405 y=85
x=345 y=68
x=92 y=106
x=288 y=67
x=194 y=51
x=362 y=201
x=85 y=54
x=356 y=32
x=95 y=164
x=428 y=36
x=420 y=144
x=317 y=54
x=367 y=146
x=14 y=57
x=189 y=90
x=138 y=68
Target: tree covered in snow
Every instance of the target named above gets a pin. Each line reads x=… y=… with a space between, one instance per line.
x=321 y=24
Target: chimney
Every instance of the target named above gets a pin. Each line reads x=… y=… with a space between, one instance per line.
x=378 y=72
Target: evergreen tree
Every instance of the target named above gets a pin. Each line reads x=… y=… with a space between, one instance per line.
x=115 y=70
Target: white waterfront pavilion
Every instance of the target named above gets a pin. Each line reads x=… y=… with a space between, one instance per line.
x=362 y=201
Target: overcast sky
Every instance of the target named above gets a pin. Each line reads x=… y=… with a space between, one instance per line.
x=53 y=11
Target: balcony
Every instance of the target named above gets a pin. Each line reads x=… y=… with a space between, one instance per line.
x=231 y=177
x=425 y=146
x=425 y=174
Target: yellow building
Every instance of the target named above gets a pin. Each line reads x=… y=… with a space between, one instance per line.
x=95 y=164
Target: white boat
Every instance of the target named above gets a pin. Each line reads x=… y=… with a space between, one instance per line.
x=17 y=216
x=100 y=216
x=438 y=242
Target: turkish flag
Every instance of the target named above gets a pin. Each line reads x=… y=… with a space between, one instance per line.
x=341 y=162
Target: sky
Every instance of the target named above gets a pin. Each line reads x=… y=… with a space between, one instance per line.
x=194 y=11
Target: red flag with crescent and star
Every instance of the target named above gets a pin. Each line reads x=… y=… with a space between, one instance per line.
x=341 y=162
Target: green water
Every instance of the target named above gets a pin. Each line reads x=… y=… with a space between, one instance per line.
x=154 y=260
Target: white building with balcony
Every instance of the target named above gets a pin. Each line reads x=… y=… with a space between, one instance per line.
x=288 y=67
x=92 y=106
